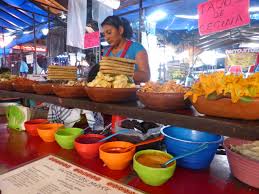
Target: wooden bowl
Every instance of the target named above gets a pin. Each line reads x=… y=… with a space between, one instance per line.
x=6 y=85
x=111 y=94
x=21 y=87
x=162 y=101
x=69 y=91
x=43 y=88
x=224 y=107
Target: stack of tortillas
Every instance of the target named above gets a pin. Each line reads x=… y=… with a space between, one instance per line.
x=116 y=65
x=62 y=72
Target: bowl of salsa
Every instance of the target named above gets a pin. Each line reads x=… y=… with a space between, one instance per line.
x=87 y=146
x=147 y=164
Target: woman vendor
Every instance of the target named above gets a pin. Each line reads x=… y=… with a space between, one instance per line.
x=118 y=32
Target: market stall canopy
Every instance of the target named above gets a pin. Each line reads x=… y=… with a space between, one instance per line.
x=180 y=23
x=180 y=14
x=18 y=18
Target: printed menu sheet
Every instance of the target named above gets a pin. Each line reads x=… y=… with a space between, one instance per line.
x=52 y=175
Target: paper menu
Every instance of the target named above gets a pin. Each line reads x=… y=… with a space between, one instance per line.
x=52 y=175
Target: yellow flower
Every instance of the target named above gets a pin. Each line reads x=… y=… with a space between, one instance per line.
x=234 y=85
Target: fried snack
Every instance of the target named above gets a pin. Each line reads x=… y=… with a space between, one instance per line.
x=167 y=87
x=23 y=81
x=172 y=87
x=250 y=150
x=218 y=83
x=111 y=81
x=75 y=83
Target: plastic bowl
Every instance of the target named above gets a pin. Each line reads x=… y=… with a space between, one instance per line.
x=47 y=131
x=153 y=176
x=116 y=161
x=32 y=125
x=87 y=145
x=243 y=168
x=65 y=137
x=181 y=140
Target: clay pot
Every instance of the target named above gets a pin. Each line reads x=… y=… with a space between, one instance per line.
x=224 y=107
x=43 y=88
x=69 y=91
x=162 y=101
x=111 y=94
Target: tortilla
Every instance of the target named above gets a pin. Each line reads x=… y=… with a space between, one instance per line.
x=117 y=69
x=119 y=59
x=62 y=67
x=117 y=66
x=117 y=63
x=116 y=72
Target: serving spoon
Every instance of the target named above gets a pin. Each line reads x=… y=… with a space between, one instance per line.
x=200 y=148
x=126 y=149
x=117 y=133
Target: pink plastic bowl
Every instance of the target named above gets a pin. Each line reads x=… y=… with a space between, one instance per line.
x=242 y=167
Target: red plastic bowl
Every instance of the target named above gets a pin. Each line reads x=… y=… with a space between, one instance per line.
x=32 y=125
x=87 y=145
x=242 y=167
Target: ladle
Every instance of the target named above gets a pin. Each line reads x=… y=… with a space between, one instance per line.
x=122 y=150
x=200 y=148
x=117 y=133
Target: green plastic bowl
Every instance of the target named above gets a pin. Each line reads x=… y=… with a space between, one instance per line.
x=66 y=137
x=153 y=176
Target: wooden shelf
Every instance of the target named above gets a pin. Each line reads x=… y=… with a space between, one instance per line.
x=186 y=118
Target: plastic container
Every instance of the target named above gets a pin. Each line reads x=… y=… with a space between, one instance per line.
x=65 y=137
x=153 y=176
x=116 y=161
x=115 y=119
x=32 y=125
x=181 y=140
x=243 y=168
x=86 y=148
x=136 y=136
x=47 y=131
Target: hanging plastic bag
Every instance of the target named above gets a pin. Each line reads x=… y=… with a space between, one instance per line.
x=16 y=116
x=76 y=23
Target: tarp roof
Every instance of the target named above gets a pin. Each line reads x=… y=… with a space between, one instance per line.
x=172 y=8
x=20 y=14
x=18 y=17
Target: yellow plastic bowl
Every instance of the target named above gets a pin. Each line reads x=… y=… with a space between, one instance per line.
x=47 y=131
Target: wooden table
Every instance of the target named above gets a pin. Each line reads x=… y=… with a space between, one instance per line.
x=186 y=118
x=17 y=148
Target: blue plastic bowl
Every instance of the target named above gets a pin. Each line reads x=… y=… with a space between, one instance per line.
x=181 y=140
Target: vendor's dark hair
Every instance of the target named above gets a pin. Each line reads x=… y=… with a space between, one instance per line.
x=116 y=22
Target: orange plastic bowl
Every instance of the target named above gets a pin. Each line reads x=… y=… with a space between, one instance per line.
x=116 y=161
x=87 y=145
x=32 y=125
x=47 y=131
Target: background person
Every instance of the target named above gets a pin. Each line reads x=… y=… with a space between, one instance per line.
x=23 y=68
